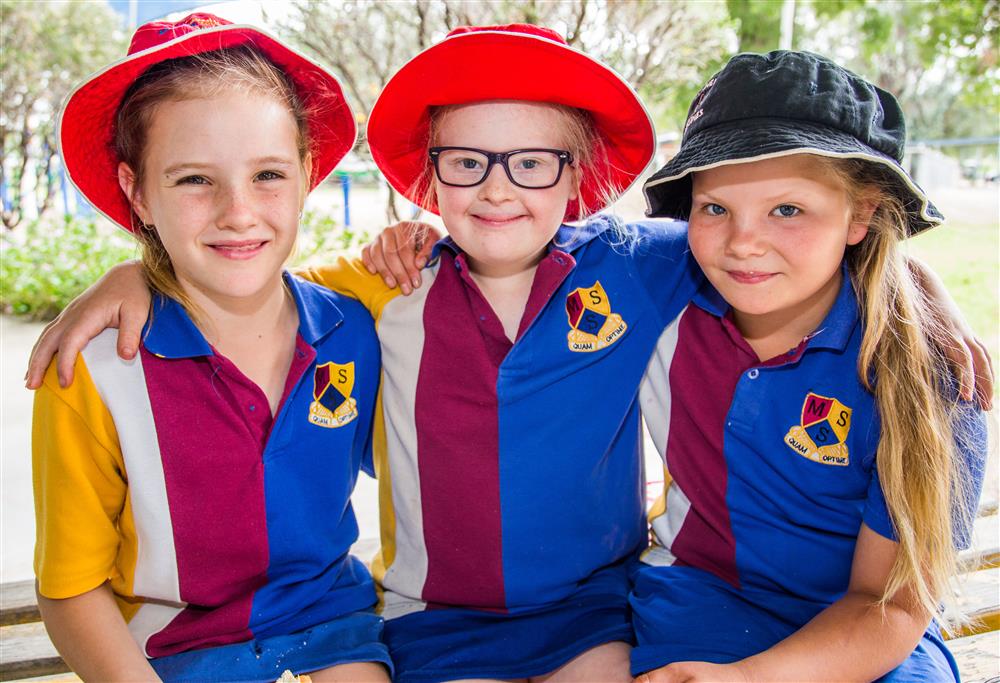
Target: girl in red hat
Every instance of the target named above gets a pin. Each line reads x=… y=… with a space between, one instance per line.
x=193 y=504
x=507 y=444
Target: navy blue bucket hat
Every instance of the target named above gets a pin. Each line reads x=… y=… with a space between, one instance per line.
x=782 y=103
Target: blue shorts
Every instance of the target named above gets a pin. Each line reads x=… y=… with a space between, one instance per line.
x=345 y=640
x=451 y=643
x=685 y=614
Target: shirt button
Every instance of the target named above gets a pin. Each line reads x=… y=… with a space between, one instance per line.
x=754 y=373
x=252 y=407
x=482 y=317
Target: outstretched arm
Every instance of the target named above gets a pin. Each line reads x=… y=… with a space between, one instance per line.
x=119 y=299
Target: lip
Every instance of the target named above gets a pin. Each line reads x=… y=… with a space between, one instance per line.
x=749 y=277
x=238 y=250
x=496 y=221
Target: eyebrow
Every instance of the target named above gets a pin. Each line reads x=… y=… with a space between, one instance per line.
x=195 y=167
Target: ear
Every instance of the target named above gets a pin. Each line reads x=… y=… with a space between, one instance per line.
x=577 y=181
x=860 y=222
x=126 y=180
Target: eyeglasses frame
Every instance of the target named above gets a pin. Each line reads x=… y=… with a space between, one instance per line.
x=500 y=158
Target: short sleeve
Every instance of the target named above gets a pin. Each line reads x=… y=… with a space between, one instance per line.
x=664 y=266
x=79 y=486
x=971 y=448
x=351 y=278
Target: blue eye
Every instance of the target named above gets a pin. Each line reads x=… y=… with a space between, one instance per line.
x=786 y=211
x=714 y=209
x=269 y=175
x=193 y=180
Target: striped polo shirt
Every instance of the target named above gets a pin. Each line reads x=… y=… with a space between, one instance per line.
x=168 y=477
x=770 y=466
x=509 y=472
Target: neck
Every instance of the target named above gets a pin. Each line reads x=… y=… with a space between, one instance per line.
x=772 y=334
x=507 y=291
x=234 y=321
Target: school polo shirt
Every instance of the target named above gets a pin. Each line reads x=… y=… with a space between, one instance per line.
x=770 y=466
x=168 y=477
x=509 y=472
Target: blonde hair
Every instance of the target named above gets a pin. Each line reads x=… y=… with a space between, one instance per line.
x=579 y=136
x=241 y=69
x=902 y=363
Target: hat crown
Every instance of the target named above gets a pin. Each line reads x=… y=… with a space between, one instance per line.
x=156 y=33
x=519 y=29
x=799 y=86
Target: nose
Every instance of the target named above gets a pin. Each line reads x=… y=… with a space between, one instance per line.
x=236 y=211
x=497 y=186
x=745 y=238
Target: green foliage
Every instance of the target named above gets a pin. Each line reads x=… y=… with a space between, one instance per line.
x=52 y=261
x=758 y=24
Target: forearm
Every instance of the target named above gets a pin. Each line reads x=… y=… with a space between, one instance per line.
x=90 y=634
x=852 y=640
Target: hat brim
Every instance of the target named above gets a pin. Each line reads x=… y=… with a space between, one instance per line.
x=86 y=122
x=668 y=191
x=500 y=65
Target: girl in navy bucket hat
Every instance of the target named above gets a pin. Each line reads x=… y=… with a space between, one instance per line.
x=822 y=471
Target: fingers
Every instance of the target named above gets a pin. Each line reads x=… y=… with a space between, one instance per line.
x=983 y=371
x=131 y=319
x=398 y=255
x=41 y=355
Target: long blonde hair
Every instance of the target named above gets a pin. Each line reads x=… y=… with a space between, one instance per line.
x=902 y=363
x=242 y=68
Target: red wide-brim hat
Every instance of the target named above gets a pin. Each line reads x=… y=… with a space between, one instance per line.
x=86 y=124
x=512 y=62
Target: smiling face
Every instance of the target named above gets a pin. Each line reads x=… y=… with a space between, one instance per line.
x=502 y=228
x=224 y=195
x=770 y=236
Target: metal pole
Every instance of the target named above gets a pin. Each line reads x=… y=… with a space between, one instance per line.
x=345 y=185
x=787 y=24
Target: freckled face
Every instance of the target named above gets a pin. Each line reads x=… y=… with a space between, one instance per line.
x=223 y=187
x=503 y=228
x=771 y=235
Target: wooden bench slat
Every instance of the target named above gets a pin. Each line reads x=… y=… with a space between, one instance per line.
x=980 y=596
x=978 y=661
x=18 y=604
x=25 y=651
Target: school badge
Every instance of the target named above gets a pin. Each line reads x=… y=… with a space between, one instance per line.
x=594 y=325
x=822 y=436
x=332 y=404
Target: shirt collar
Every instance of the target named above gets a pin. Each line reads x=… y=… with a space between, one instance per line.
x=833 y=333
x=567 y=239
x=170 y=332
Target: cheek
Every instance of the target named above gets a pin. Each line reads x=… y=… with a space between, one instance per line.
x=701 y=240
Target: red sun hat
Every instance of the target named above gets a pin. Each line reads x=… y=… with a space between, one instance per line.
x=512 y=62
x=86 y=124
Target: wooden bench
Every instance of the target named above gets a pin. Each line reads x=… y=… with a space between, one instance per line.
x=26 y=651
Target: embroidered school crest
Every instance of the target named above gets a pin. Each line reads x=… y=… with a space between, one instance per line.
x=822 y=436
x=332 y=404
x=594 y=326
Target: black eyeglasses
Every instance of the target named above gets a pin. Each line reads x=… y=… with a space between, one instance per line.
x=533 y=169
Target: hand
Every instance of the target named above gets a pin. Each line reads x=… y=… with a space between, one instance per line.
x=968 y=356
x=697 y=672
x=399 y=252
x=119 y=299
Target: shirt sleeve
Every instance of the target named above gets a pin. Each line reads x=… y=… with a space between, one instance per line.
x=351 y=278
x=664 y=266
x=971 y=449
x=79 y=485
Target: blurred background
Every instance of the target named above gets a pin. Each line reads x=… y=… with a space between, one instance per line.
x=939 y=58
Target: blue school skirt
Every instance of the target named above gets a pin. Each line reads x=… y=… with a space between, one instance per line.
x=446 y=643
x=686 y=614
x=349 y=639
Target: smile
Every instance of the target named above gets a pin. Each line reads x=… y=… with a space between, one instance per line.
x=239 y=251
x=749 y=277
x=496 y=221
